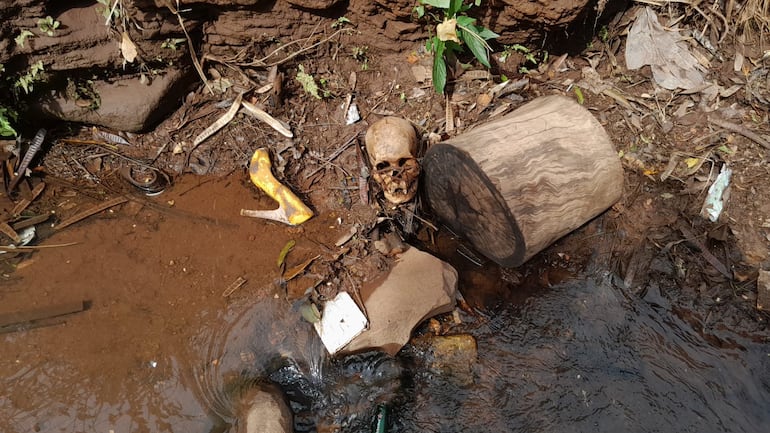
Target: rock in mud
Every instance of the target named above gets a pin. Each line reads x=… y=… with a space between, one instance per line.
x=123 y=105
x=452 y=356
x=263 y=409
x=418 y=286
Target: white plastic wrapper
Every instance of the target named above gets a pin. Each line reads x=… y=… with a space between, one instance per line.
x=341 y=322
x=716 y=197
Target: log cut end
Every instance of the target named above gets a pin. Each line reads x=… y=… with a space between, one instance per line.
x=462 y=196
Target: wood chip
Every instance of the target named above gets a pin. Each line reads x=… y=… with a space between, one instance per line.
x=296 y=270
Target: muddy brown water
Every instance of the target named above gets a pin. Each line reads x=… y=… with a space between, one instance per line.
x=160 y=349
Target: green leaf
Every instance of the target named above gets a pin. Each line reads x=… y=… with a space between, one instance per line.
x=6 y=130
x=23 y=37
x=439 y=67
x=465 y=21
x=420 y=11
x=476 y=44
x=579 y=95
x=487 y=34
x=455 y=6
x=443 y=4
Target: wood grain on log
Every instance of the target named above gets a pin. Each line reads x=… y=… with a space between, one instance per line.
x=517 y=184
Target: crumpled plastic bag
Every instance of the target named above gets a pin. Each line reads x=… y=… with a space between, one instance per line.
x=673 y=66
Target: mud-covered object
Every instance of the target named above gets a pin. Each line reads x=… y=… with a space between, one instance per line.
x=263 y=408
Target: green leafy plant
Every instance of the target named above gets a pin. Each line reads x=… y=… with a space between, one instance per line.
x=110 y=10
x=360 y=54
x=308 y=82
x=33 y=75
x=22 y=38
x=341 y=21
x=6 y=115
x=455 y=30
x=604 y=34
x=48 y=25
x=172 y=43
x=530 y=57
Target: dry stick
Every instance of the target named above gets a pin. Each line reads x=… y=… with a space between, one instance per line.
x=37 y=142
x=267 y=118
x=190 y=48
x=21 y=317
x=10 y=232
x=92 y=211
x=334 y=155
x=738 y=129
x=22 y=205
x=30 y=221
x=219 y=123
x=36 y=247
x=262 y=63
x=705 y=253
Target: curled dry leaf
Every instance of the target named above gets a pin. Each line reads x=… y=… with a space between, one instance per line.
x=128 y=48
x=673 y=65
x=447 y=31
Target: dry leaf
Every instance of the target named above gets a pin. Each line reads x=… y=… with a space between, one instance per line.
x=692 y=162
x=128 y=48
x=447 y=31
x=673 y=65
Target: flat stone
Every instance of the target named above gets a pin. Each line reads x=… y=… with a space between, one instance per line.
x=418 y=286
x=314 y=4
x=125 y=105
x=763 y=290
x=451 y=356
x=263 y=409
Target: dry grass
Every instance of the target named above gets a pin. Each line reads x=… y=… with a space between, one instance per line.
x=753 y=18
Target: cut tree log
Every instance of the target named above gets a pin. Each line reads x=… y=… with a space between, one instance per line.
x=515 y=185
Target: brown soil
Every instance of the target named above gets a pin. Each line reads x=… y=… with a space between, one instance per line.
x=151 y=267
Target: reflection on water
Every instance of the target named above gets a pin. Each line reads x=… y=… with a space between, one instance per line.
x=583 y=356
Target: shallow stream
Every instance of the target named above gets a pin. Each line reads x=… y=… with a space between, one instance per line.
x=582 y=356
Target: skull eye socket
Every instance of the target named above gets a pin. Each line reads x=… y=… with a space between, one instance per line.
x=382 y=165
x=402 y=161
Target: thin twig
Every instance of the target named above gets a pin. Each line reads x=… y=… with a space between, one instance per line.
x=190 y=47
x=333 y=156
x=36 y=247
x=738 y=129
x=262 y=62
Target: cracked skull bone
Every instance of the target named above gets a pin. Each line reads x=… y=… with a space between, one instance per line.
x=392 y=147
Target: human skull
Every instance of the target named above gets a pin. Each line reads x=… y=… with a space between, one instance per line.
x=392 y=147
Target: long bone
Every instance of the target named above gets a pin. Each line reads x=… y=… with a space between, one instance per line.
x=290 y=210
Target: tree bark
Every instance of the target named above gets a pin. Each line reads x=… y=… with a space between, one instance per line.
x=517 y=184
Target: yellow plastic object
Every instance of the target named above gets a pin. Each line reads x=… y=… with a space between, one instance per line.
x=290 y=210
